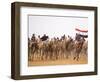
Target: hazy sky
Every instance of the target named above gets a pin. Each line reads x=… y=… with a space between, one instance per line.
x=55 y=26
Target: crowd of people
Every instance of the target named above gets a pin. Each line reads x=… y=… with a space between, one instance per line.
x=45 y=48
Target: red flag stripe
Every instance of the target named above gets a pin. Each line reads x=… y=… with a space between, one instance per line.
x=81 y=30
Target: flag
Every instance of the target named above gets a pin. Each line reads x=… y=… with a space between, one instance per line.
x=80 y=30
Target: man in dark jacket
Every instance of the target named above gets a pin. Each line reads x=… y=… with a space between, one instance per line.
x=77 y=37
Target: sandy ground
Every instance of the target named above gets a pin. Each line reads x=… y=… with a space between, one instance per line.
x=83 y=60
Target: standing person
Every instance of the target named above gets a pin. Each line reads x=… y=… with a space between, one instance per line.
x=33 y=38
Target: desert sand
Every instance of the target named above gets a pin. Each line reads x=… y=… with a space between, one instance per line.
x=82 y=60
